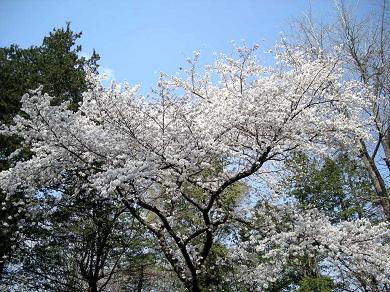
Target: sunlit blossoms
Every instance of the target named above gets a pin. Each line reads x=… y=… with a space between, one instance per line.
x=349 y=252
x=184 y=150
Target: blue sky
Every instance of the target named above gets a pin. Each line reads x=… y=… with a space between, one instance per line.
x=138 y=39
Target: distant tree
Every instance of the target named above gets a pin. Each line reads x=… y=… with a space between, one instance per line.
x=56 y=65
x=338 y=186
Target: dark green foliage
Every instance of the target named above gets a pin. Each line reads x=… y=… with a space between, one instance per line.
x=315 y=284
x=339 y=187
x=80 y=242
x=55 y=65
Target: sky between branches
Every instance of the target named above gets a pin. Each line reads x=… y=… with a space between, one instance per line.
x=138 y=39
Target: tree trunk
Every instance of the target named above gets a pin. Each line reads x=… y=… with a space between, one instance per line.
x=2 y=264
x=377 y=180
x=140 y=280
x=196 y=288
x=93 y=286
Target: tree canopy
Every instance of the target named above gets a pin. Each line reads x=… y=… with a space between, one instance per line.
x=232 y=176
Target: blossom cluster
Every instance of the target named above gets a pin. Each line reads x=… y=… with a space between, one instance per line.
x=357 y=252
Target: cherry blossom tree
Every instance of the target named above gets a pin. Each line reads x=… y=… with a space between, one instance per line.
x=174 y=160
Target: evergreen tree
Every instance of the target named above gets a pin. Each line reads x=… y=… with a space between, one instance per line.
x=340 y=186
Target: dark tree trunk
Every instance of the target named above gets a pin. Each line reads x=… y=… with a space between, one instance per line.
x=140 y=280
x=93 y=286
x=2 y=263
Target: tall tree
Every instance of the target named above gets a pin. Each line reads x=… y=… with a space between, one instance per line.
x=364 y=48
